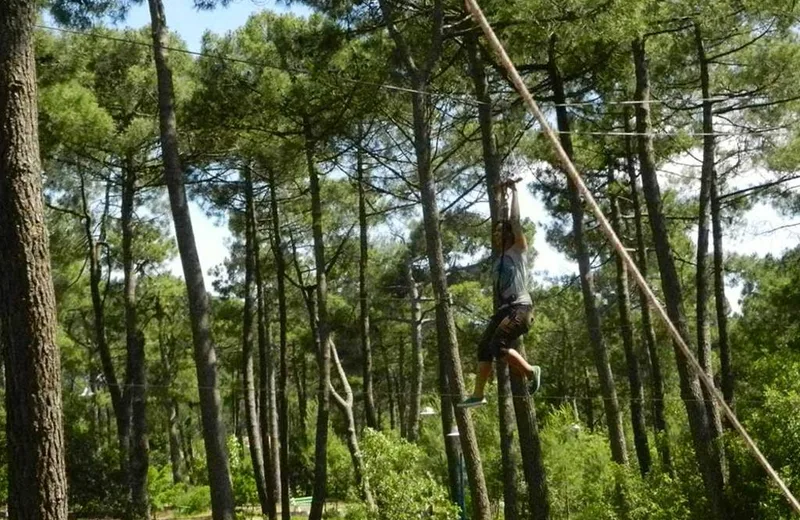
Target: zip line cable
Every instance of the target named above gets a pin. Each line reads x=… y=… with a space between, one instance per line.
x=575 y=177
x=466 y=98
x=386 y=393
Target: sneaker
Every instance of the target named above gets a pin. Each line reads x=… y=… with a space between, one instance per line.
x=471 y=402
x=535 y=380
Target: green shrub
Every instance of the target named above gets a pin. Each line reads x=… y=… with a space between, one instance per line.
x=402 y=488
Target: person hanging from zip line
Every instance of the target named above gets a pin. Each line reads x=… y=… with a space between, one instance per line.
x=515 y=307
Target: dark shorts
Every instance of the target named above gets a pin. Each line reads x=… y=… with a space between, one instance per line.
x=504 y=328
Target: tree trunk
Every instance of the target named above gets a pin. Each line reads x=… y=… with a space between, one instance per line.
x=37 y=487
x=589 y=401
x=708 y=172
x=323 y=332
x=199 y=308
x=173 y=420
x=269 y=401
x=283 y=396
x=626 y=329
x=248 y=372
x=451 y=444
x=492 y=166
x=363 y=294
x=417 y=356
x=346 y=406
x=726 y=364
x=708 y=457
x=616 y=432
x=445 y=325
x=657 y=381
x=119 y=394
x=399 y=380
x=175 y=450
x=136 y=370
x=530 y=446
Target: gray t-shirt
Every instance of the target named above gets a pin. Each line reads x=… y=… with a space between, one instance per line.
x=510 y=274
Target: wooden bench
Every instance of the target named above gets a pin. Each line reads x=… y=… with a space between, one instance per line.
x=297 y=502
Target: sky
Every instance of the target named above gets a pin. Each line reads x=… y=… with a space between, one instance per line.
x=764 y=231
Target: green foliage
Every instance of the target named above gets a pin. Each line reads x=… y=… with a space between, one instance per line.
x=402 y=487
x=242 y=477
x=584 y=483
x=183 y=498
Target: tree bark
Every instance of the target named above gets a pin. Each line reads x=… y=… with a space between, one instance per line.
x=37 y=487
x=283 y=396
x=175 y=450
x=219 y=479
x=248 y=372
x=269 y=401
x=708 y=172
x=616 y=432
x=656 y=379
x=417 y=356
x=136 y=370
x=448 y=418
x=726 y=363
x=626 y=329
x=492 y=167
x=708 y=458
x=363 y=292
x=323 y=332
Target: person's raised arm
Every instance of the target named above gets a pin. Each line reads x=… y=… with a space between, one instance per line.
x=516 y=224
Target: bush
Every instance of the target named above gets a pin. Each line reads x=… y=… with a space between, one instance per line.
x=182 y=497
x=242 y=476
x=402 y=489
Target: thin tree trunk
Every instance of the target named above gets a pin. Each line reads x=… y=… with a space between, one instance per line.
x=445 y=325
x=173 y=420
x=248 y=372
x=346 y=406
x=492 y=166
x=616 y=432
x=657 y=381
x=175 y=450
x=301 y=381
x=37 y=486
x=452 y=448
x=118 y=397
x=417 y=357
x=589 y=401
x=708 y=457
x=269 y=400
x=283 y=396
x=726 y=364
x=323 y=331
x=399 y=380
x=708 y=172
x=363 y=293
x=136 y=371
x=626 y=329
x=219 y=479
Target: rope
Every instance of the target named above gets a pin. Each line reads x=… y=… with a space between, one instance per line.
x=572 y=173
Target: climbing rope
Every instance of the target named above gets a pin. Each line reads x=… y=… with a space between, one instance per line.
x=572 y=173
